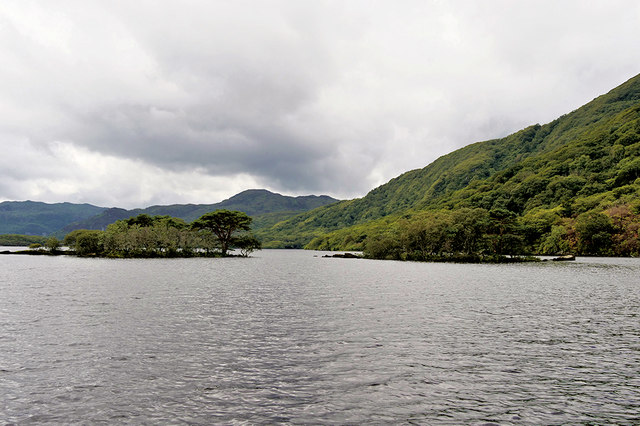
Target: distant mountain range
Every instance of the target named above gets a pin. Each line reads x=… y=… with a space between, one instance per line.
x=36 y=218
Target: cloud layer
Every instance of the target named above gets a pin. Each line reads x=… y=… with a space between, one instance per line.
x=135 y=103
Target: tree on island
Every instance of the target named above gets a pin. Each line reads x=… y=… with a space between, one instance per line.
x=52 y=244
x=247 y=244
x=224 y=224
x=213 y=234
x=84 y=242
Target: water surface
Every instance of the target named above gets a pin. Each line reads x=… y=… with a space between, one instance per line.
x=289 y=336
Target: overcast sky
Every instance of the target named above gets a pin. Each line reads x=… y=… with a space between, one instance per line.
x=133 y=103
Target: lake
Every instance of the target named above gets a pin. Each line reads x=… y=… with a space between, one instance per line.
x=289 y=336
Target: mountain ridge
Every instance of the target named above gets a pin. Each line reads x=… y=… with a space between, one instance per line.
x=39 y=218
x=61 y=218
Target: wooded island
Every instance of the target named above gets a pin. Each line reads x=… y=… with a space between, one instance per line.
x=214 y=234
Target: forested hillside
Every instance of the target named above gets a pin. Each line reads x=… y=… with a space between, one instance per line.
x=579 y=170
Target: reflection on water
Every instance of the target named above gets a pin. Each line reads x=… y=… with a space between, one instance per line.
x=289 y=337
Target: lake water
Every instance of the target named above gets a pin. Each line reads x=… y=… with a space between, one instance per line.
x=289 y=336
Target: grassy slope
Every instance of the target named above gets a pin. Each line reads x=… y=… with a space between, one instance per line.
x=531 y=168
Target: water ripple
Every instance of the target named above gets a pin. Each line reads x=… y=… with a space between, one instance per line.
x=286 y=337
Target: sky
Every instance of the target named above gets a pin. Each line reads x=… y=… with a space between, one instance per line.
x=135 y=103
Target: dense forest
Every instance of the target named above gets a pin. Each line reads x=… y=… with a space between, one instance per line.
x=571 y=185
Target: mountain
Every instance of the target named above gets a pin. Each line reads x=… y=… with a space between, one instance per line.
x=253 y=202
x=587 y=160
x=36 y=218
x=265 y=207
x=99 y=221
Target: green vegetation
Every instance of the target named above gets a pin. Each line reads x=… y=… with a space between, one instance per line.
x=476 y=234
x=223 y=224
x=572 y=185
x=52 y=244
x=211 y=235
x=20 y=240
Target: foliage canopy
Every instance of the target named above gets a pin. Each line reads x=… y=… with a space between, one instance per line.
x=223 y=224
x=213 y=234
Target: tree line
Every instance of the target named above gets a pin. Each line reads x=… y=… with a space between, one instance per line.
x=214 y=234
x=477 y=234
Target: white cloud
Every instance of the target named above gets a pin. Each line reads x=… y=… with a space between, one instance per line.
x=130 y=103
x=63 y=171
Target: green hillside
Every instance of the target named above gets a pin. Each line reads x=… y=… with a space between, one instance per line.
x=36 y=218
x=585 y=161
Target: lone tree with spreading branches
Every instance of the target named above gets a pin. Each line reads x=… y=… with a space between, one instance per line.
x=223 y=224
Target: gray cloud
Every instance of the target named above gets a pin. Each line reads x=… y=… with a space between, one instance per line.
x=106 y=98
